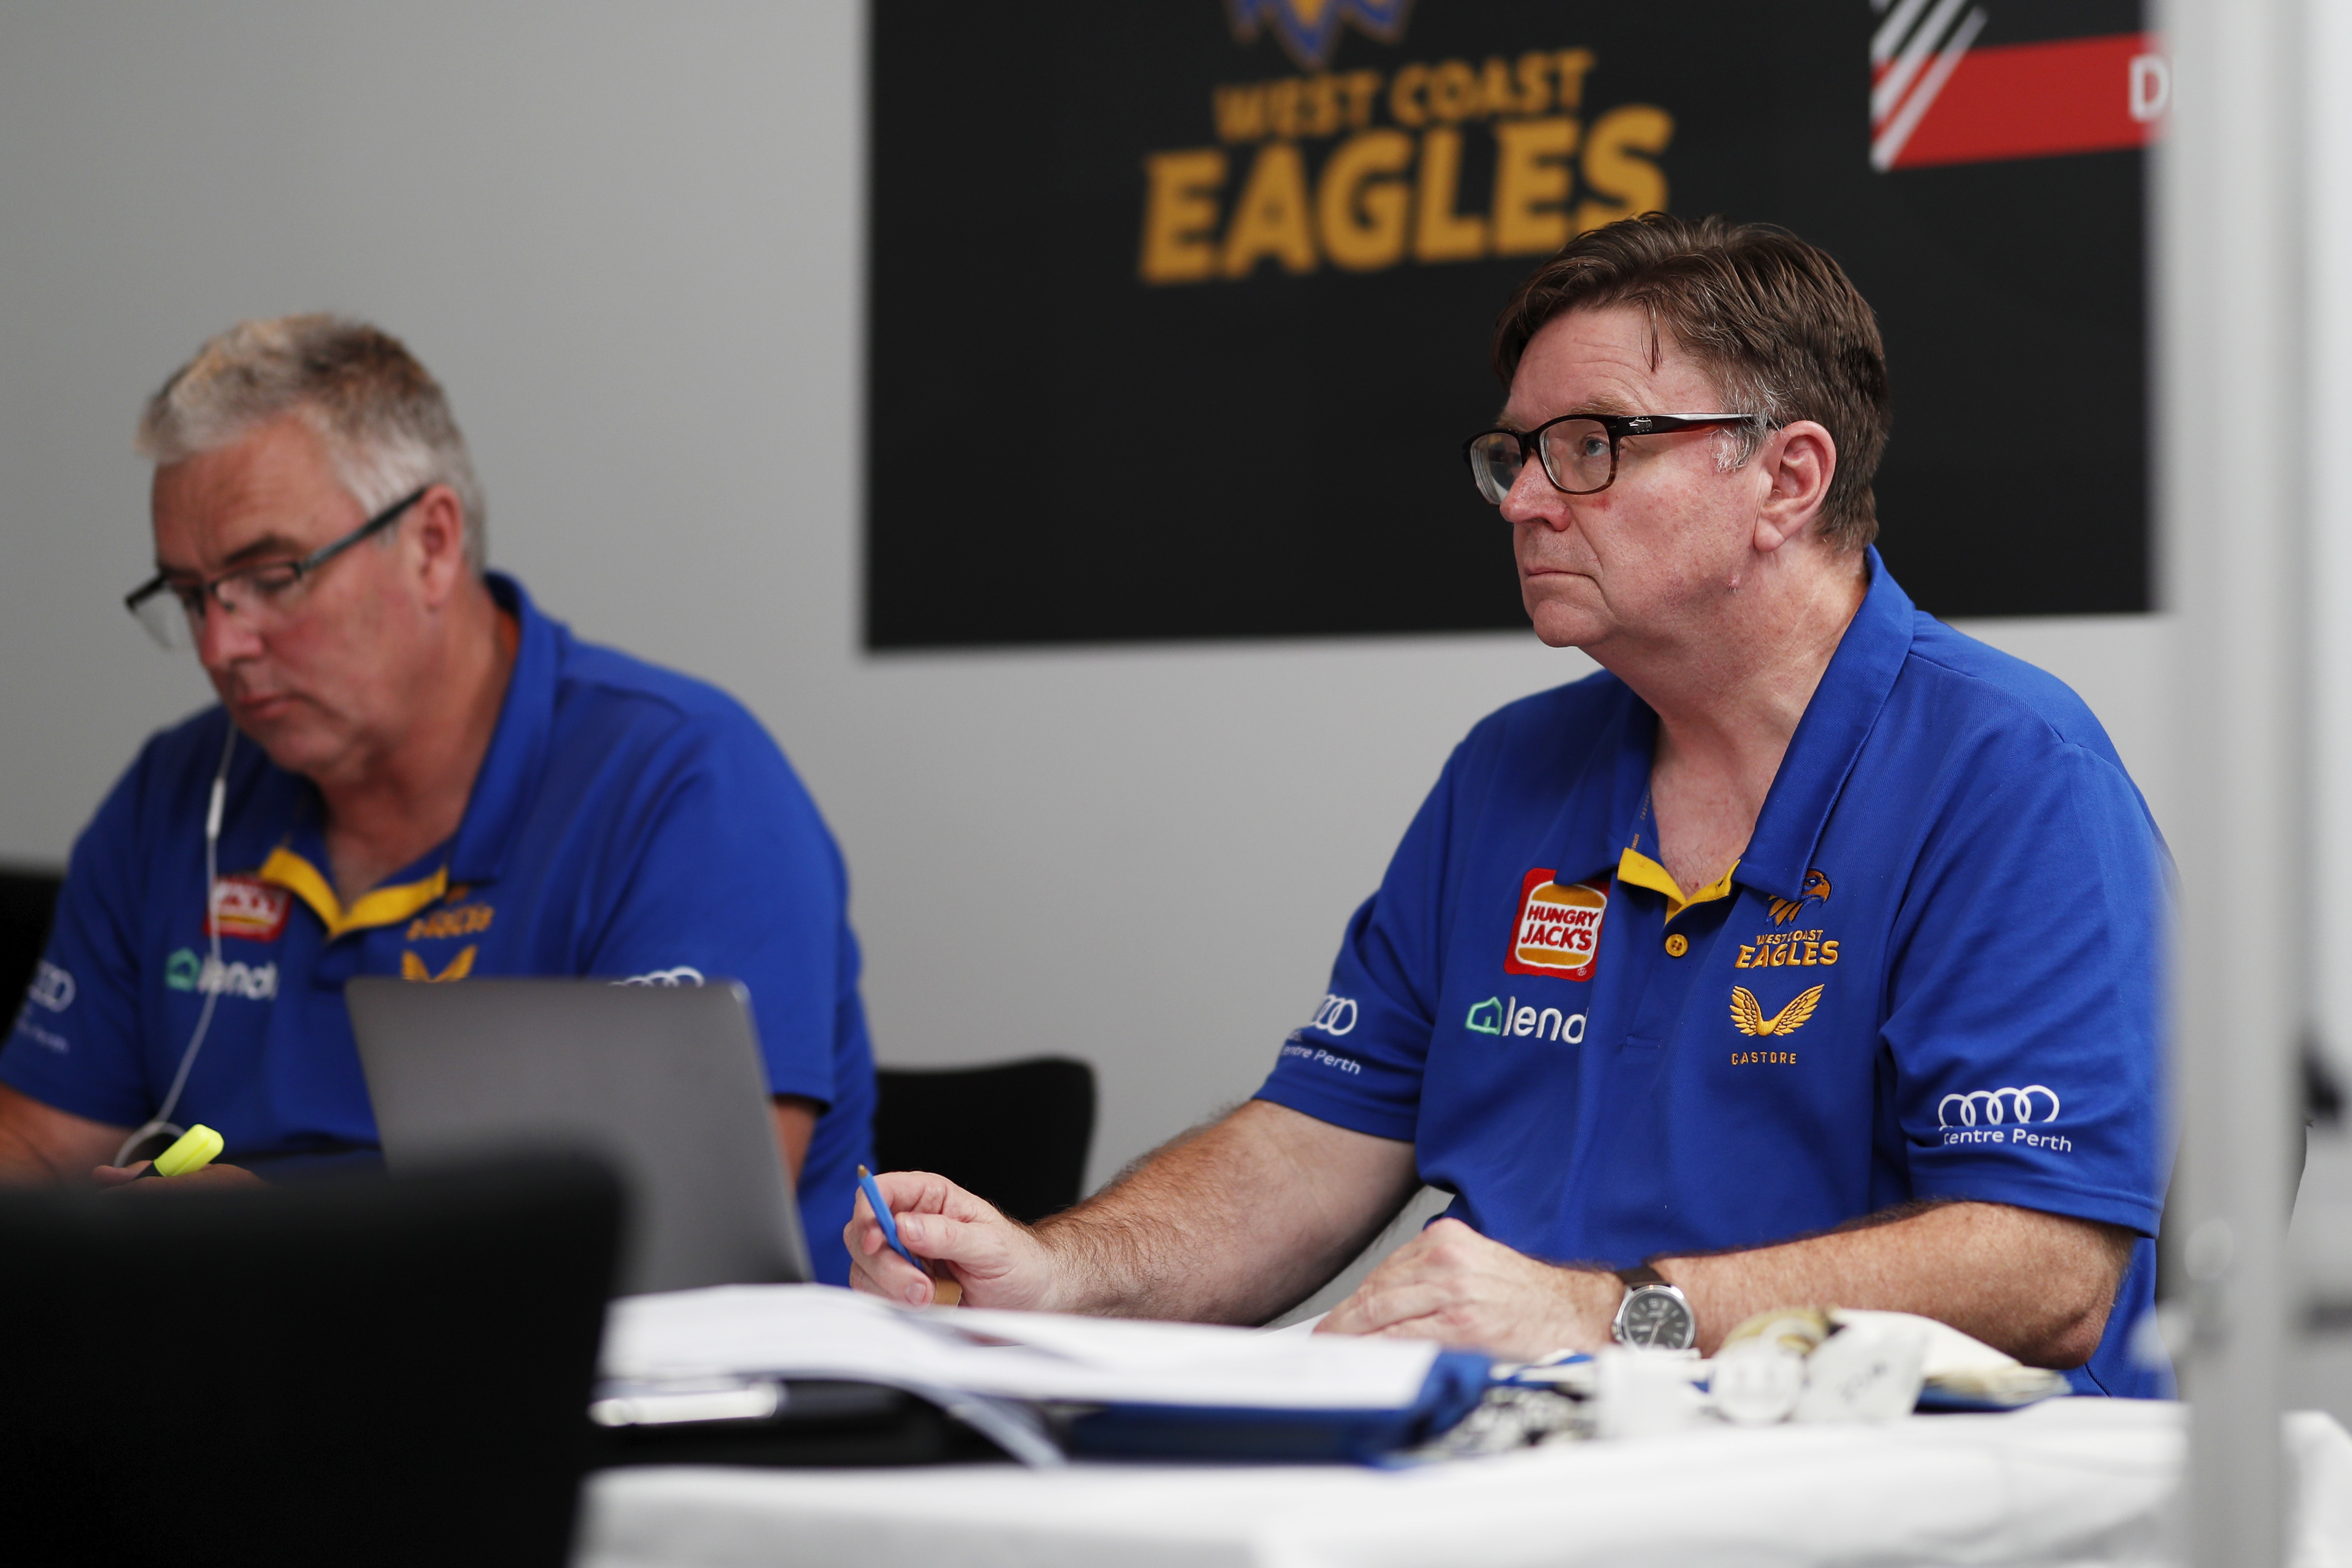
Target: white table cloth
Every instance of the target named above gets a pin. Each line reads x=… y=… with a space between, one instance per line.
x=2075 y=1481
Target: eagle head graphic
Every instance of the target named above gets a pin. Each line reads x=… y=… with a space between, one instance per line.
x=1815 y=890
x=1309 y=29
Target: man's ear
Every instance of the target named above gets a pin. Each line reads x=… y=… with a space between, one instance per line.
x=438 y=536
x=1799 y=460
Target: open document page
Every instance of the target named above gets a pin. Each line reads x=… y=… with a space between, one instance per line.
x=822 y=1332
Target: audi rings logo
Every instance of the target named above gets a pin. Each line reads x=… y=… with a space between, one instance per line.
x=2000 y=1105
x=54 y=988
x=682 y=976
x=1335 y=1016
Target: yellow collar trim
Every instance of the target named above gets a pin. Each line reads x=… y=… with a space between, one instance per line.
x=382 y=907
x=1641 y=871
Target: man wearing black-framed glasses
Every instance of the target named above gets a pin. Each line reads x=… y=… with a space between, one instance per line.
x=175 y=609
x=1806 y=955
x=412 y=771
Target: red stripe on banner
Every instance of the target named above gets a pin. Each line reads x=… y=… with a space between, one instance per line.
x=2040 y=100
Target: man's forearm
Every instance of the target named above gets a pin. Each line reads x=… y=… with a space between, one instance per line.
x=2039 y=1286
x=22 y=1163
x=40 y=1145
x=1234 y=1223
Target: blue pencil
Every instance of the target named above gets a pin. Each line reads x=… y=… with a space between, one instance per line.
x=882 y=1214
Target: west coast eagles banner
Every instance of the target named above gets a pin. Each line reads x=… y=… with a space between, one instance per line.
x=1180 y=309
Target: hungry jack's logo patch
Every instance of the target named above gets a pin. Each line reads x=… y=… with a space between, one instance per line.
x=249 y=907
x=1557 y=929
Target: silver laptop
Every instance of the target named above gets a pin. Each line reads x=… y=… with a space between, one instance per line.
x=666 y=1083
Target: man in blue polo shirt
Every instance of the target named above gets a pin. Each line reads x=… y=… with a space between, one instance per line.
x=412 y=771
x=1807 y=954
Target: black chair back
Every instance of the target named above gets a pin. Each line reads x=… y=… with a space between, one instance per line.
x=1016 y=1133
x=349 y=1372
x=28 y=901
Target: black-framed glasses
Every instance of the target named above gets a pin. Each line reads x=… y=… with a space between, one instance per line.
x=1578 y=451
x=173 y=611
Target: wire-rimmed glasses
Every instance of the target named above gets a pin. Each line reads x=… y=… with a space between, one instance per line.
x=172 y=611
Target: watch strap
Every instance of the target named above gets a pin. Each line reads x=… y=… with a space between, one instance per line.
x=1641 y=1274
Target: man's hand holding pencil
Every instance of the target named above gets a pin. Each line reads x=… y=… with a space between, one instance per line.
x=928 y=1242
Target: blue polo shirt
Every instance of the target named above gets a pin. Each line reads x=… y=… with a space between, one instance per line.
x=627 y=823
x=1934 y=973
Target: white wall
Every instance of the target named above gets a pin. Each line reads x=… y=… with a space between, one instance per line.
x=628 y=239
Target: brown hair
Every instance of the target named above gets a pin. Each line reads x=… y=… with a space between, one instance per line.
x=1775 y=320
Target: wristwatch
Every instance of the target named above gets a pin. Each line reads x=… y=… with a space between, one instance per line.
x=1653 y=1314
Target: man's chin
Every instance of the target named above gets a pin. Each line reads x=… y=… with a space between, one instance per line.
x=296 y=746
x=1564 y=625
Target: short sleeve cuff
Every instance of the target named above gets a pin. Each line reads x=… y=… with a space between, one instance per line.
x=1977 y=1184
x=1339 y=1109
x=802 y=1082
x=21 y=1068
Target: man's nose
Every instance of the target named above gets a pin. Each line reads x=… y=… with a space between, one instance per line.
x=1533 y=497
x=223 y=637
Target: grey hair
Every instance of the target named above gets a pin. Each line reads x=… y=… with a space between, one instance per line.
x=1737 y=445
x=1740 y=389
x=383 y=418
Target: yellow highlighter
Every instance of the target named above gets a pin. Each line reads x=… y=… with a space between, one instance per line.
x=196 y=1148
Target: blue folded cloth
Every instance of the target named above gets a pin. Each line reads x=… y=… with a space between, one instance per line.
x=1456 y=1381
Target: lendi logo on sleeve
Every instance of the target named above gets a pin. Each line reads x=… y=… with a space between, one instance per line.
x=1495 y=1016
x=184 y=970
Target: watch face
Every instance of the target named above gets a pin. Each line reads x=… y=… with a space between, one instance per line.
x=1657 y=1318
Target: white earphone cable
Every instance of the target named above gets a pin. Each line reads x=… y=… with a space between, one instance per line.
x=210 y=979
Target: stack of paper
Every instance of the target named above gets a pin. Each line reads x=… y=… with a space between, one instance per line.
x=822 y=1332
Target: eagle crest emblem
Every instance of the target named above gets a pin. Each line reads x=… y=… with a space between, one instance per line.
x=1815 y=890
x=1309 y=29
x=1747 y=1014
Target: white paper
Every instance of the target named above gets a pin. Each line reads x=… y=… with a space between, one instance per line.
x=823 y=1332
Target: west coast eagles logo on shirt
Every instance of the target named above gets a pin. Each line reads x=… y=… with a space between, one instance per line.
x=1783 y=948
x=1558 y=930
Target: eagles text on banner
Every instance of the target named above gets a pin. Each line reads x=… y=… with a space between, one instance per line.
x=1387 y=182
x=1254 y=250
